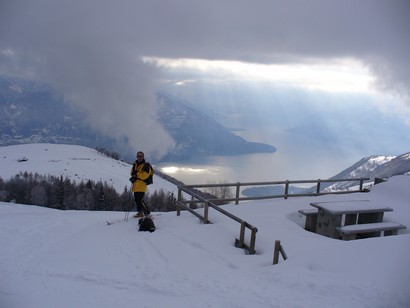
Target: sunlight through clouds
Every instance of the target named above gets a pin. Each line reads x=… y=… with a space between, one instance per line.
x=175 y=169
x=345 y=75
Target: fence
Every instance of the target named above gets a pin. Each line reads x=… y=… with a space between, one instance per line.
x=240 y=243
x=286 y=193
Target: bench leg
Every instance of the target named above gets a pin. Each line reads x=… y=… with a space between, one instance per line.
x=326 y=224
x=390 y=232
x=335 y=221
x=311 y=222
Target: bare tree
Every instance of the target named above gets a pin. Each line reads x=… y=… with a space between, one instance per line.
x=219 y=191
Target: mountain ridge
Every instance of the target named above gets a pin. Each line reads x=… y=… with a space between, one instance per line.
x=32 y=112
x=197 y=134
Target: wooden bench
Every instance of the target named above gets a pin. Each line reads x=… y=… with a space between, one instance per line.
x=351 y=232
x=311 y=219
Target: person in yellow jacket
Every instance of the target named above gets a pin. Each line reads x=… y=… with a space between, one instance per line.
x=139 y=173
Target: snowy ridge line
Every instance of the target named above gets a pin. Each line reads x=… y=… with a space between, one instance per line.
x=78 y=163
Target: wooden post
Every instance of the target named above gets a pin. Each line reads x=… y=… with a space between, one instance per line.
x=282 y=252
x=178 y=209
x=278 y=249
x=276 y=252
x=253 y=241
x=286 y=189
x=179 y=199
x=206 y=210
x=361 y=185
x=242 y=234
x=318 y=186
x=238 y=187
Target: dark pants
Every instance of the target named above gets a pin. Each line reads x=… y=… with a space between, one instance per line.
x=142 y=207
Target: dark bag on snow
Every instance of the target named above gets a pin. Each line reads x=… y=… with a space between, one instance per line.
x=146 y=224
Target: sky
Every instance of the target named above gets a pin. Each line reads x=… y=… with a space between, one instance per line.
x=109 y=58
x=53 y=258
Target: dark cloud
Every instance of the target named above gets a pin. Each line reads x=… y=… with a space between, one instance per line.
x=91 y=49
x=86 y=51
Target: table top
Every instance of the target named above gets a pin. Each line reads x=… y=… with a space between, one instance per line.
x=350 y=207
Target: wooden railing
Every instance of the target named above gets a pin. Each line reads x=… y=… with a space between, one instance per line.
x=196 y=197
x=286 y=193
x=240 y=243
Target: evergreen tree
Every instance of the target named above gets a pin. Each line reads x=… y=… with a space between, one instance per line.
x=3 y=191
x=39 y=195
x=126 y=200
x=59 y=193
x=170 y=202
x=17 y=189
x=69 y=194
x=112 y=198
x=101 y=197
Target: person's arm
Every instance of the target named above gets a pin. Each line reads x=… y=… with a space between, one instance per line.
x=143 y=174
x=133 y=174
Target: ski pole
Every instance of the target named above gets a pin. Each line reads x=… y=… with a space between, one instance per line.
x=127 y=214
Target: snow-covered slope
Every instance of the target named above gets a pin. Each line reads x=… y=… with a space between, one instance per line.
x=78 y=163
x=52 y=258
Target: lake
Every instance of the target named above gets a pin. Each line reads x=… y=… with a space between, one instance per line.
x=297 y=158
x=299 y=164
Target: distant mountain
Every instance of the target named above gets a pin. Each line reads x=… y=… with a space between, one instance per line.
x=197 y=134
x=34 y=113
x=375 y=166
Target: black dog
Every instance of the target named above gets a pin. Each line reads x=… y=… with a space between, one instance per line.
x=146 y=224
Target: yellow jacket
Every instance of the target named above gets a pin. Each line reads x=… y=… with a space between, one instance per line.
x=141 y=174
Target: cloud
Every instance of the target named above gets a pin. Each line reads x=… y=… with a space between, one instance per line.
x=336 y=75
x=92 y=50
x=83 y=53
